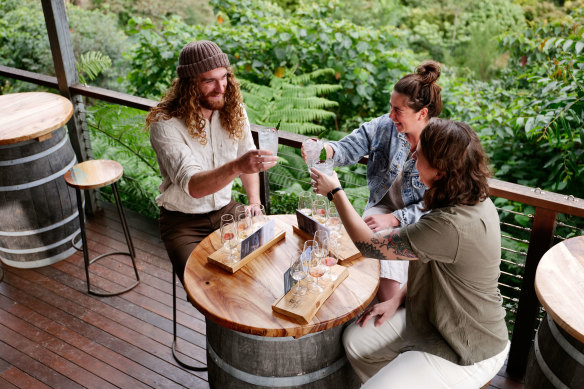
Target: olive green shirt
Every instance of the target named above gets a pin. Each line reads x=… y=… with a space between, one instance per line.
x=453 y=305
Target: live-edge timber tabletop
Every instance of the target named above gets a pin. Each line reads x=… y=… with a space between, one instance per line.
x=559 y=284
x=243 y=301
x=32 y=115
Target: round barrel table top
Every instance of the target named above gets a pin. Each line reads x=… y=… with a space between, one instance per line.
x=31 y=115
x=243 y=301
x=559 y=284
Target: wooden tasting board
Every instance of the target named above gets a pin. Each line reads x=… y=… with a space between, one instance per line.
x=219 y=257
x=303 y=308
x=347 y=249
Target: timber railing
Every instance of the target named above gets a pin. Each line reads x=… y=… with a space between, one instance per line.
x=536 y=236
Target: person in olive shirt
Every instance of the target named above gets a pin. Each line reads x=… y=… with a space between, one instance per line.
x=452 y=332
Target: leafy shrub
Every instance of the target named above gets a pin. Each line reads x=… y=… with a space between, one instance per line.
x=260 y=39
x=24 y=43
x=117 y=133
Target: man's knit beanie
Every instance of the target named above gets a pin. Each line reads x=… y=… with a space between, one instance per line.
x=200 y=57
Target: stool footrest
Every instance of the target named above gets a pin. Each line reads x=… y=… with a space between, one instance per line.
x=183 y=364
x=107 y=294
x=108 y=254
x=113 y=293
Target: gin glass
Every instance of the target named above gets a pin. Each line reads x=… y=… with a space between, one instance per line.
x=331 y=259
x=268 y=139
x=315 y=268
x=298 y=272
x=333 y=221
x=325 y=167
x=229 y=235
x=312 y=148
x=305 y=202
x=258 y=216
x=319 y=209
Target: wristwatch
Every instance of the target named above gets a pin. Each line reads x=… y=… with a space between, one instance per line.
x=332 y=193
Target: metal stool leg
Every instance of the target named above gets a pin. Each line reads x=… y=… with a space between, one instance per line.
x=130 y=253
x=126 y=229
x=176 y=358
x=83 y=237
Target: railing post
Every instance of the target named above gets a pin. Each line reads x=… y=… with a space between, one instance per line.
x=64 y=61
x=542 y=233
x=265 y=191
x=264 y=180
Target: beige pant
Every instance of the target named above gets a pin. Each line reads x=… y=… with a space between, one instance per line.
x=374 y=354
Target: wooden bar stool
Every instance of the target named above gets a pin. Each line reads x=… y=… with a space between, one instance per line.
x=96 y=174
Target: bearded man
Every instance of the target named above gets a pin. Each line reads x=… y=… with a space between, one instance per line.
x=202 y=139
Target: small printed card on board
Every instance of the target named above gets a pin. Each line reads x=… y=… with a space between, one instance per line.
x=309 y=224
x=257 y=239
x=251 y=247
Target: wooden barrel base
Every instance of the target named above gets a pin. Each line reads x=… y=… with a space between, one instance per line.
x=556 y=359
x=242 y=361
x=39 y=211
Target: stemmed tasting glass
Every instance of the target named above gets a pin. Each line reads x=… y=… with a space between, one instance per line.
x=333 y=221
x=316 y=268
x=319 y=209
x=258 y=216
x=298 y=272
x=322 y=238
x=229 y=235
x=305 y=202
x=331 y=259
x=243 y=217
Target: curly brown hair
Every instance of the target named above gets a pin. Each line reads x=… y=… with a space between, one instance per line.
x=183 y=101
x=455 y=150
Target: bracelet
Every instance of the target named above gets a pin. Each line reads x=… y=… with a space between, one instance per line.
x=330 y=194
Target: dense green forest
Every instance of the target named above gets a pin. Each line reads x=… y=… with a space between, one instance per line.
x=512 y=69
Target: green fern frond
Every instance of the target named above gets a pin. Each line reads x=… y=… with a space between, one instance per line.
x=91 y=64
x=308 y=77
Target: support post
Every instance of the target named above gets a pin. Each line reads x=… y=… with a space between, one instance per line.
x=64 y=61
x=542 y=234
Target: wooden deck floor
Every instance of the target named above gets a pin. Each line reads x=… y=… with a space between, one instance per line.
x=53 y=334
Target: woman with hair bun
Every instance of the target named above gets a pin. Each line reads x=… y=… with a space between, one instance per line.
x=451 y=333
x=395 y=190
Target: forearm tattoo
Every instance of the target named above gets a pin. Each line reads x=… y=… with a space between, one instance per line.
x=390 y=242
x=369 y=250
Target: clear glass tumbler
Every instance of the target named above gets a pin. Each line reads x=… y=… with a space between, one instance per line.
x=268 y=139
x=312 y=148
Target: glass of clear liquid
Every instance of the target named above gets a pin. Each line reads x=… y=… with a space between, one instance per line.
x=268 y=139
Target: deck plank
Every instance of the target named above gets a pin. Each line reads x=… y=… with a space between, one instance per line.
x=53 y=334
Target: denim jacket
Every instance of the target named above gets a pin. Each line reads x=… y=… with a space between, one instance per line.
x=388 y=152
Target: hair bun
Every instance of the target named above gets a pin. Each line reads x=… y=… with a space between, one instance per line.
x=429 y=71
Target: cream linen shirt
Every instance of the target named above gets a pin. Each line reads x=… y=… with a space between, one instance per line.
x=180 y=157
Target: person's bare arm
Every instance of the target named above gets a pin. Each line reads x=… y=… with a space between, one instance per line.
x=211 y=181
x=385 y=245
x=251 y=184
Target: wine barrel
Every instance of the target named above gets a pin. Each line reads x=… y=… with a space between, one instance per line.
x=38 y=216
x=314 y=361
x=556 y=359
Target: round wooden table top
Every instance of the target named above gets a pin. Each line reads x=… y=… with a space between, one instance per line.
x=94 y=173
x=243 y=301
x=31 y=115
x=559 y=284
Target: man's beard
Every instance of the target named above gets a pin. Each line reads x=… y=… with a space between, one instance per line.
x=213 y=105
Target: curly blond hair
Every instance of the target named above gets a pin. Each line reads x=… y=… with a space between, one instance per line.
x=183 y=101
